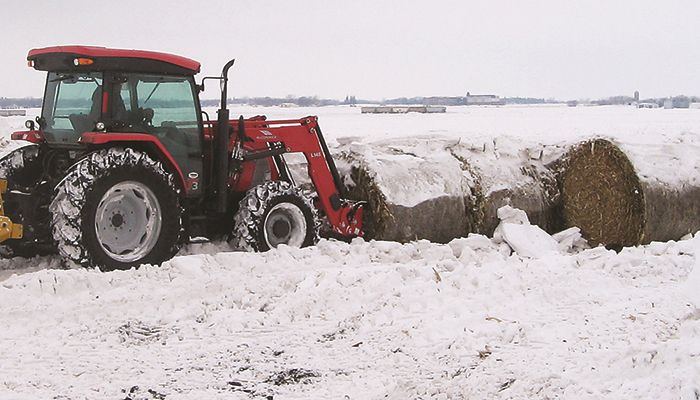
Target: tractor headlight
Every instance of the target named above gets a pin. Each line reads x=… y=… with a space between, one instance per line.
x=100 y=126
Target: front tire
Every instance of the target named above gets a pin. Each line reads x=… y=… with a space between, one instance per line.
x=275 y=213
x=116 y=209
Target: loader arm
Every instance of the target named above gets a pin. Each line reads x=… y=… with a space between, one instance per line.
x=263 y=139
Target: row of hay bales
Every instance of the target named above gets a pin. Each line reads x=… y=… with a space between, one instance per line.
x=439 y=188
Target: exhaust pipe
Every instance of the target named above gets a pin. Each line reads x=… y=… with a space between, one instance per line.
x=222 y=139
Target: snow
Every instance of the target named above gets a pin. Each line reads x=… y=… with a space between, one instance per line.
x=674 y=165
x=525 y=239
x=522 y=315
x=691 y=285
x=369 y=320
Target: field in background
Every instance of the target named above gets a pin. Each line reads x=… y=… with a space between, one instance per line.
x=548 y=124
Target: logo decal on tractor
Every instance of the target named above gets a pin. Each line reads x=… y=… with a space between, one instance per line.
x=266 y=135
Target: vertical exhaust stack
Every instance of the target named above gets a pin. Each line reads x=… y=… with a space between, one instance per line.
x=222 y=139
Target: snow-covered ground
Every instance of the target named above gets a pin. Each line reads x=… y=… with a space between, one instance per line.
x=371 y=320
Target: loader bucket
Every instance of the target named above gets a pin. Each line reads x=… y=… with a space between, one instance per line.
x=8 y=230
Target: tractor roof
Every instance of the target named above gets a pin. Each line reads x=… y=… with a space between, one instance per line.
x=87 y=58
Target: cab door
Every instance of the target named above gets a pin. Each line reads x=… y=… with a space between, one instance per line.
x=166 y=107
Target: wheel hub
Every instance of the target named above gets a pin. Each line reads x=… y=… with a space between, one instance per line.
x=285 y=224
x=128 y=221
x=281 y=228
x=117 y=220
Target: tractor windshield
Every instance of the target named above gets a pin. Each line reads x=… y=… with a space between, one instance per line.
x=72 y=105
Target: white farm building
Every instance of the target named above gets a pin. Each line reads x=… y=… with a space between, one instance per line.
x=483 y=100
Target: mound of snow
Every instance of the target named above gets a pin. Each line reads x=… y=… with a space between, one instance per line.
x=526 y=240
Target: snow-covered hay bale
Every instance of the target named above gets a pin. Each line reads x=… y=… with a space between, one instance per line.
x=625 y=195
x=414 y=190
x=440 y=189
x=509 y=172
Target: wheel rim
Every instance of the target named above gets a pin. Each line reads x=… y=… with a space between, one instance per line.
x=285 y=224
x=128 y=221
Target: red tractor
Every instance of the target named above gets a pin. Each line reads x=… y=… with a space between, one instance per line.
x=123 y=166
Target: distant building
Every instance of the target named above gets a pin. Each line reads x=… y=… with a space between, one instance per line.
x=677 y=102
x=483 y=100
x=12 y=112
x=681 y=102
x=636 y=96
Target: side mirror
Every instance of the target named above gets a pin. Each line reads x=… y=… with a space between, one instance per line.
x=30 y=125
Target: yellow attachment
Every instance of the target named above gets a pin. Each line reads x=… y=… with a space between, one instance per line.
x=8 y=230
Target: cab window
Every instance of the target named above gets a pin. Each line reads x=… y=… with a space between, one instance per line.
x=72 y=105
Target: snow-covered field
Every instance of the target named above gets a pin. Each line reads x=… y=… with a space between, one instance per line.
x=375 y=320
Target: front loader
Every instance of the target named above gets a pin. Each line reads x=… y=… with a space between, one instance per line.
x=123 y=166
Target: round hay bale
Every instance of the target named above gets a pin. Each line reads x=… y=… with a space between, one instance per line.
x=414 y=190
x=508 y=172
x=626 y=195
x=602 y=195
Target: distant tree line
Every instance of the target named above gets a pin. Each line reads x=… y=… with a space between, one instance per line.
x=529 y=100
x=680 y=101
x=614 y=100
x=302 y=101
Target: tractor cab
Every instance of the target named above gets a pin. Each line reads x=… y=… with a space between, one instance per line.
x=98 y=90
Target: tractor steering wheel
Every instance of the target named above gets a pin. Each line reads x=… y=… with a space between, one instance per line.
x=146 y=116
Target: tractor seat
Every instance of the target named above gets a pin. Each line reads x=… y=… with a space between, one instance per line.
x=81 y=123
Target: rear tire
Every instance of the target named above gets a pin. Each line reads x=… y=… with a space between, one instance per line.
x=275 y=213
x=116 y=209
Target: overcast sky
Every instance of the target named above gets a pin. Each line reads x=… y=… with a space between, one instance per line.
x=382 y=49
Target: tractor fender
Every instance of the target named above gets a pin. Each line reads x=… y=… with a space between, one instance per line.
x=139 y=141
